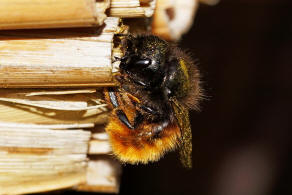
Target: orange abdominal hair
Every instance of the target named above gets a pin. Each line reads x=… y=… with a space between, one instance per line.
x=138 y=145
x=133 y=148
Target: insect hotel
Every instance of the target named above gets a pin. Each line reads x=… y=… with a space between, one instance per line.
x=56 y=57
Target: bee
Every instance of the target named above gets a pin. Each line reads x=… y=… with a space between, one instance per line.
x=158 y=84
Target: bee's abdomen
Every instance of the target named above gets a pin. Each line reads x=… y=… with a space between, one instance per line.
x=140 y=146
x=147 y=141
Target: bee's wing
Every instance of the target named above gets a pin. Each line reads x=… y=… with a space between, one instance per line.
x=182 y=116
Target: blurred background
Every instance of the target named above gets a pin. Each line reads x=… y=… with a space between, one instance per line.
x=241 y=138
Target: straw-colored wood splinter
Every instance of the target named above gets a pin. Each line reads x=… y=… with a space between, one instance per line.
x=174 y=18
x=24 y=14
x=41 y=159
x=102 y=176
x=132 y=8
x=52 y=106
x=58 y=58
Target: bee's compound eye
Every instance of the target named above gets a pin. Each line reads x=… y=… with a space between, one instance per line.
x=143 y=62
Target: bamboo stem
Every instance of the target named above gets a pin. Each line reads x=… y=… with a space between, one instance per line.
x=24 y=14
x=40 y=159
x=54 y=58
x=132 y=8
x=54 y=107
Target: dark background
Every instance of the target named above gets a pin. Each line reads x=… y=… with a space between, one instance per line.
x=241 y=138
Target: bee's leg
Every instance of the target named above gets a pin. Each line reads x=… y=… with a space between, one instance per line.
x=149 y=110
x=124 y=119
x=134 y=99
x=121 y=114
x=113 y=99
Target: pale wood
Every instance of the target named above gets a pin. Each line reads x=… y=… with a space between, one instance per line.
x=132 y=9
x=24 y=114
x=103 y=175
x=69 y=101
x=57 y=105
x=24 y=14
x=101 y=7
x=39 y=151
x=58 y=58
x=37 y=185
x=99 y=142
x=99 y=147
x=173 y=18
x=40 y=159
x=56 y=141
x=124 y=3
x=54 y=107
x=103 y=171
x=41 y=126
x=59 y=92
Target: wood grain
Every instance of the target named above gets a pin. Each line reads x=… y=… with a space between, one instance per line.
x=40 y=159
x=52 y=106
x=58 y=58
x=132 y=8
x=27 y=14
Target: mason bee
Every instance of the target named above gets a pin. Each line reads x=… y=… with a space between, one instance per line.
x=158 y=83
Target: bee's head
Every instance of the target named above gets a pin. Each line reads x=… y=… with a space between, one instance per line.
x=144 y=59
